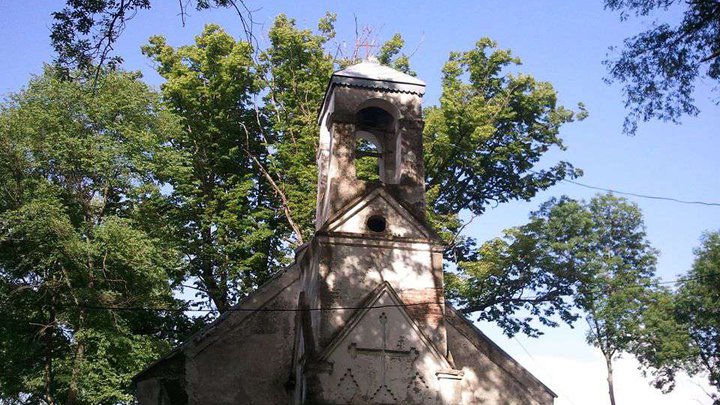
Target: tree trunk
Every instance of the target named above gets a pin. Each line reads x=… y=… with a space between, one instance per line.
x=49 y=329
x=80 y=349
x=611 y=391
x=77 y=363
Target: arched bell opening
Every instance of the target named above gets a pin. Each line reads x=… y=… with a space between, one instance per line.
x=375 y=145
x=369 y=165
x=375 y=119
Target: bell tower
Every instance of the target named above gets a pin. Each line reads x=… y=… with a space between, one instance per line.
x=373 y=309
x=370 y=133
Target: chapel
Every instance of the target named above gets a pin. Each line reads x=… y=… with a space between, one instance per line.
x=359 y=317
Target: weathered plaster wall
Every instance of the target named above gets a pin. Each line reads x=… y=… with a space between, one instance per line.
x=247 y=359
x=383 y=359
x=351 y=268
x=150 y=392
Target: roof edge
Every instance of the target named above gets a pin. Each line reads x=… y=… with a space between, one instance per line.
x=205 y=331
x=497 y=349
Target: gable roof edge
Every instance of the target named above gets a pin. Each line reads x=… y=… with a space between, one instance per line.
x=496 y=349
x=208 y=329
x=381 y=190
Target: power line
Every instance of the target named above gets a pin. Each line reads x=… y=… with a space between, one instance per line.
x=677 y=281
x=541 y=367
x=238 y=309
x=651 y=197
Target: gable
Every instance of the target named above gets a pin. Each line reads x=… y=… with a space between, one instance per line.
x=353 y=219
x=490 y=374
x=382 y=356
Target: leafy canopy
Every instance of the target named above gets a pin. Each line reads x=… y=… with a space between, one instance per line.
x=219 y=210
x=660 y=67
x=683 y=327
x=77 y=166
x=572 y=259
x=482 y=142
x=215 y=184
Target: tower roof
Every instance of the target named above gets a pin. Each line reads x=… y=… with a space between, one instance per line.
x=371 y=74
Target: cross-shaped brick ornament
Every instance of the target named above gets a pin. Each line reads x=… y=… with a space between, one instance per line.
x=384 y=353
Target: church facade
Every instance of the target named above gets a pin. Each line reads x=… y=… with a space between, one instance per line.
x=359 y=317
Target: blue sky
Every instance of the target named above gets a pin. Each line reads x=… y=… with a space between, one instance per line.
x=560 y=42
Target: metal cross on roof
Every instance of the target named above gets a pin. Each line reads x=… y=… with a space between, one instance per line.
x=367 y=44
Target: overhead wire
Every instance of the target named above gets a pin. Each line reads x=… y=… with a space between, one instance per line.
x=646 y=196
x=320 y=309
x=638 y=195
x=240 y=309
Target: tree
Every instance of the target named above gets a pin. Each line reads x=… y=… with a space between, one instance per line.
x=76 y=172
x=698 y=309
x=296 y=67
x=532 y=272
x=484 y=139
x=662 y=346
x=659 y=67
x=622 y=282
x=481 y=147
x=683 y=329
x=592 y=257
x=222 y=211
x=245 y=192
x=85 y=31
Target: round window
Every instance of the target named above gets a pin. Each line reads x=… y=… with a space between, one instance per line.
x=377 y=223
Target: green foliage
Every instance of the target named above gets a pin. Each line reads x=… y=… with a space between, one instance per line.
x=698 y=309
x=621 y=267
x=481 y=147
x=78 y=162
x=296 y=69
x=484 y=139
x=663 y=345
x=245 y=189
x=592 y=257
x=220 y=211
x=570 y=256
x=683 y=329
x=527 y=274
x=620 y=283
x=390 y=55
x=366 y=164
x=659 y=67
x=482 y=142
x=217 y=183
